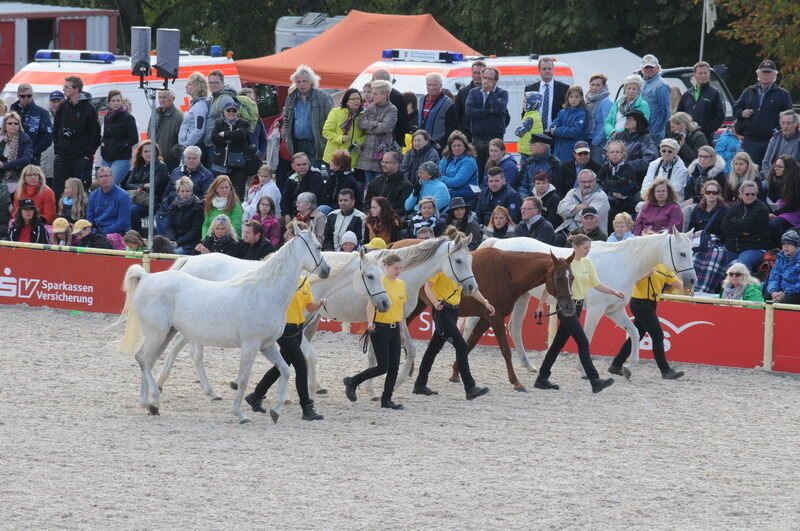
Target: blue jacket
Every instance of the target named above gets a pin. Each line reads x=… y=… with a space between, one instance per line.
x=110 y=212
x=785 y=275
x=727 y=147
x=434 y=188
x=570 y=126
x=458 y=173
x=24 y=153
x=201 y=177
x=598 y=133
x=510 y=171
x=656 y=94
x=487 y=121
x=488 y=200
x=37 y=124
x=545 y=162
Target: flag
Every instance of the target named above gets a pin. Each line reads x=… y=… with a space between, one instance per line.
x=711 y=14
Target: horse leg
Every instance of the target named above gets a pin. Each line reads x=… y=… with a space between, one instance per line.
x=498 y=326
x=312 y=359
x=621 y=319
x=147 y=357
x=246 y=359
x=411 y=352
x=180 y=342
x=273 y=354
x=200 y=369
x=515 y=328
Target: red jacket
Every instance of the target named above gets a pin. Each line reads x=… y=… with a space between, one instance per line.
x=45 y=201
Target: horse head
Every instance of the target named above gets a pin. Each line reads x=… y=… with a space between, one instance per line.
x=559 y=283
x=371 y=275
x=677 y=255
x=315 y=261
x=459 y=268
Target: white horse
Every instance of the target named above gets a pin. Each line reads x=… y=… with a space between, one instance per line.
x=619 y=265
x=421 y=262
x=357 y=271
x=220 y=314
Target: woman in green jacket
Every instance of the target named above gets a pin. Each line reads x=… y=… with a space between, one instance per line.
x=221 y=198
x=740 y=285
x=341 y=129
x=631 y=99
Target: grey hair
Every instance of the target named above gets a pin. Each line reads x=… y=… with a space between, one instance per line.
x=308 y=197
x=304 y=69
x=194 y=150
x=381 y=85
x=791 y=114
x=633 y=79
x=434 y=76
x=381 y=74
x=587 y=170
x=168 y=91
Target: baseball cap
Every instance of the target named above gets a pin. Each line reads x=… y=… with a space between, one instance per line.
x=60 y=225
x=233 y=104
x=581 y=146
x=56 y=95
x=766 y=64
x=650 y=60
x=80 y=225
x=670 y=142
x=376 y=243
x=588 y=211
x=26 y=203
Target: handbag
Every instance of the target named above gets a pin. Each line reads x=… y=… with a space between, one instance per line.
x=140 y=197
x=235 y=160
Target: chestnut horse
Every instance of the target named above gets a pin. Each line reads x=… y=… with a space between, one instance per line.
x=503 y=277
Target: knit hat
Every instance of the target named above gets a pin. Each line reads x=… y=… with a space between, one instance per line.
x=791 y=236
x=349 y=237
x=431 y=169
x=60 y=225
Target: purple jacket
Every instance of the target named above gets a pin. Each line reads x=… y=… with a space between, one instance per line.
x=656 y=218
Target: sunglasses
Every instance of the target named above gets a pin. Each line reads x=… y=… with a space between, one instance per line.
x=667 y=151
x=11 y=123
x=25 y=96
x=231 y=110
x=732 y=274
x=711 y=192
x=751 y=194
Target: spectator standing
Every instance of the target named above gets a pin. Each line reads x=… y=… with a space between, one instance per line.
x=540 y=161
x=221 y=198
x=36 y=122
x=661 y=210
x=740 y=285
x=639 y=146
x=304 y=179
x=307 y=212
x=458 y=167
x=74 y=201
x=631 y=99
x=554 y=93
x=487 y=112
x=742 y=169
x=32 y=186
x=341 y=177
x=27 y=226
x=784 y=142
x=598 y=106
x=567 y=178
x=784 y=279
x=221 y=238
x=530 y=125
x=703 y=102
x=168 y=125
x=499 y=158
x=263 y=184
x=461 y=98
x=119 y=137
x=657 y=95
x=192 y=168
x=588 y=194
x=707 y=166
x=728 y=145
x=497 y=193
x=401 y=126
x=670 y=166
x=341 y=130
x=186 y=215
x=378 y=123
x=688 y=134
x=221 y=96
x=745 y=227
x=411 y=108
x=460 y=216
x=109 y=206
x=16 y=148
x=346 y=218
x=258 y=133
x=758 y=109
x=429 y=184
x=265 y=214
x=500 y=225
x=392 y=184
x=423 y=149
x=193 y=128
x=48 y=155
x=253 y=245
x=231 y=137
x=305 y=112
x=549 y=196
x=532 y=224
x=571 y=124
x=436 y=112
x=137 y=182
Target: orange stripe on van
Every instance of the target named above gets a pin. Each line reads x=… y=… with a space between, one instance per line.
x=466 y=71
x=113 y=76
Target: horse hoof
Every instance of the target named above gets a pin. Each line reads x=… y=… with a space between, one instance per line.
x=521 y=389
x=244 y=420
x=274 y=414
x=626 y=372
x=153 y=410
x=216 y=398
x=454 y=379
x=234 y=385
x=322 y=391
x=532 y=369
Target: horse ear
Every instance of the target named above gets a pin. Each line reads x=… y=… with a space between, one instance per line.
x=674 y=230
x=361 y=254
x=689 y=235
x=554 y=258
x=466 y=239
x=295 y=227
x=571 y=257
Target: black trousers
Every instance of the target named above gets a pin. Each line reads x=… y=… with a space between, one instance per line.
x=293 y=355
x=569 y=326
x=64 y=169
x=446 y=330
x=645 y=320
x=386 y=343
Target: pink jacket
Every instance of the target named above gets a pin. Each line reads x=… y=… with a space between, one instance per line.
x=656 y=218
x=272 y=229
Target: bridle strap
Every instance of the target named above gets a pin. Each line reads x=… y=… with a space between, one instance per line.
x=450 y=261
x=672 y=257
x=370 y=295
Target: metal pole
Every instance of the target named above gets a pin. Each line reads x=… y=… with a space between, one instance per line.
x=703 y=29
x=769 y=331
x=151 y=95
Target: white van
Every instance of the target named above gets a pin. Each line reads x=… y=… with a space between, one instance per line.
x=408 y=69
x=103 y=71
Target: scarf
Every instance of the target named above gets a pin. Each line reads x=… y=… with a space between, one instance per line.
x=219 y=202
x=111 y=114
x=218 y=244
x=592 y=101
x=348 y=123
x=734 y=293
x=307 y=217
x=12 y=148
x=625 y=106
x=180 y=203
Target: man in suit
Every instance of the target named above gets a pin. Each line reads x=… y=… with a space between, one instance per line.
x=553 y=92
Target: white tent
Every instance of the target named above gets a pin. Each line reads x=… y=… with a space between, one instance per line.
x=615 y=63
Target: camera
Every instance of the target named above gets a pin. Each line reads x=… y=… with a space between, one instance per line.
x=67 y=132
x=354 y=147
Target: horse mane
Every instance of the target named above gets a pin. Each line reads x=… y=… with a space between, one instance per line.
x=268 y=271
x=416 y=254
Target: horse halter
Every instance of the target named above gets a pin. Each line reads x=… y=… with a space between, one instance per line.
x=316 y=263
x=672 y=257
x=366 y=288
x=450 y=261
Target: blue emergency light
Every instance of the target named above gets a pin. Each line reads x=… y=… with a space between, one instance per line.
x=74 y=55
x=216 y=50
x=430 y=56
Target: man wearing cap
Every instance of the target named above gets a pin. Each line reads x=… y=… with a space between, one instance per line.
x=48 y=155
x=497 y=193
x=532 y=224
x=345 y=219
x=35 y=121
x=253 y=245
x=553 y=92
x=487 y=112
x=758 y=110
x=590 y=225
x=541 y=160
x=88 y=236
x=76 y=137
x=221 y=95
x=656 y=94
x=109 y=206
x=703 y=102
x=784 y=278
x=785 y=142
x=588 y=194
x=168 y=124
x=567 y=178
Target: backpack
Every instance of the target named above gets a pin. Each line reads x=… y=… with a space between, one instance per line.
x=767 y=263
x=248 y=110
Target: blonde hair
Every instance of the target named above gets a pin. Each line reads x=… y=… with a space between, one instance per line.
x=685 y=120
x=8 y=115
x=30 y=168
x=79 y=202
x=624 y=217
x=499 y=209
x=200 y=83
x=222 y=219
x=381 y=85
x=747 y=278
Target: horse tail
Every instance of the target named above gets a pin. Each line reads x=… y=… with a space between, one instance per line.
x=179 y=263
x=130 y=339
x=488 y=242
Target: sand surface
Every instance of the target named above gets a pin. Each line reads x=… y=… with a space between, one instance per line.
x=718 y=449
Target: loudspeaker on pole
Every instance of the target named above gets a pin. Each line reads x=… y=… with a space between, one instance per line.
x=140 y=50
x=168 y=42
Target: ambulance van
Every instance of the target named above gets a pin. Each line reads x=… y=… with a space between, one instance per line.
x=408 y=69
x=103 y=71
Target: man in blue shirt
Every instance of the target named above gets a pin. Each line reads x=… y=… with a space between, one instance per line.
x=109 y=206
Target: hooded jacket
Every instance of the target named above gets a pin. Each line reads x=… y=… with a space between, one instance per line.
x=641 y=150
x=193 y=127
x=119 y=136
x=413 y=159
x=612 y=120
x=510 y=171
x=550 y=201
x=394 y=187
x=785 y=275
x=458 y=173
x=698 y=177
x=76 y=130
x=434 y=188
x=201 y=177
x=215 y=110
x=570 y=126
x=545 y=162
x=186 y=223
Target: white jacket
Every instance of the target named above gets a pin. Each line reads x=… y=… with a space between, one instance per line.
x=677 y=177
x=597 y=199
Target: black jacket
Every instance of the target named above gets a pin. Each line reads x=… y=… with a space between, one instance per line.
x=559 y=96
x=707 y=111
x=119 y=136
x=569 y=174
x=488 y=201
x=76 y=131
x=185 y=224
x=694 y=141
x=141 y=175
x=37 y=124
x=355 y=225
x=461 y=108
x=394 y=187
x=550 y=202
x=38 y=232
x=401 y=127
x=256 y=251
x=746 y=227
x=235 y=139
x=96 y=240
x=336 y=181
x=225 y=245
x=312 y=182
x=468 y=225
x=764 y=121
x=542 y=230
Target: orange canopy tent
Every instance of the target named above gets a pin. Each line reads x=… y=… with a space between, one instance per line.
x=339 y=54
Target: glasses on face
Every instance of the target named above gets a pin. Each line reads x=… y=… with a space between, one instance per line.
x=232 y=111
x=70 y=87
x=778 y=167
x=667 y=151
x=749 y=194
x=25 y=96
x=733 y=274
x=711 y=192
x=12 y=123
x=104 y=176
x=703 y=156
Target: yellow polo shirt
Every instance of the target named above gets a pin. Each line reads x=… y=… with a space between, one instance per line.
x=585 y=278
x=396 y=290
x=297 y=307
x=444 y=288
x=651 y=286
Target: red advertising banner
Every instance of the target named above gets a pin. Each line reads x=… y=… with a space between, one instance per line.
x=785 y=346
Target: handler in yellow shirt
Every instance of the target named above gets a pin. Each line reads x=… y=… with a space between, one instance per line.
x=289 y=343
x=645 y=319
x=384 y=331
x=585 y=278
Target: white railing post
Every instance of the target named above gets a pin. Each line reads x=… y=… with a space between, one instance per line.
x=769 y=332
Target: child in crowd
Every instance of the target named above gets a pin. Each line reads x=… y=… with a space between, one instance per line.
x=72 y=204
x=426 y=217
x=349 y=242
x=531 y=124
x=570 y=125
x=62 y=232
x=267 y=216
x=623 y=228
x=263 y=184
x=221 y=237
x=133 y=241
x=425 y=233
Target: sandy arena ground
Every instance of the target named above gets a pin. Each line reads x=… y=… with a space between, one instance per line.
x=717 y=449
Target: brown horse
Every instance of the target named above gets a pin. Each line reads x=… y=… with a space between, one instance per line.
x=504 y=276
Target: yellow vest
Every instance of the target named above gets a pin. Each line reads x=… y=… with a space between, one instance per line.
x=650 y=286
x=396 y=290
x=585 y=278
x=302 y=297
x=445 y=290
